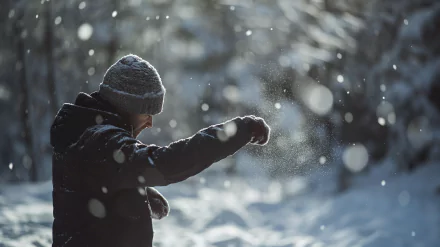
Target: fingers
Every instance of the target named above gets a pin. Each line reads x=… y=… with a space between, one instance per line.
x=260 y=131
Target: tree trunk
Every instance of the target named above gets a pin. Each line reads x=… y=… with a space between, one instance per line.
x=50 y=61
x=24 y=98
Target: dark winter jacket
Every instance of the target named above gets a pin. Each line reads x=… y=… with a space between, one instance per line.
x=100 y=172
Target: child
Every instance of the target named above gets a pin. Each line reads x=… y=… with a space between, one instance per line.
x=102 y=175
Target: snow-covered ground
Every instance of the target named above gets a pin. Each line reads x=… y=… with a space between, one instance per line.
x=396 y=211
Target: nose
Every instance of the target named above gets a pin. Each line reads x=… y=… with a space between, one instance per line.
x=150 y=122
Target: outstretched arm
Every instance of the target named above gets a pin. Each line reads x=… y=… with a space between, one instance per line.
x=136 y=164
x=188 y=157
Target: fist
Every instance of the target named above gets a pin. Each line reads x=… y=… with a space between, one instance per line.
x=260 y=131
x=159 y=207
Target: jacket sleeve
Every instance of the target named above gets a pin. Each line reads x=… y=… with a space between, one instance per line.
x=135 y=164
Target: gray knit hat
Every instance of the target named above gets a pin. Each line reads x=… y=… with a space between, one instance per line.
x=134 y=86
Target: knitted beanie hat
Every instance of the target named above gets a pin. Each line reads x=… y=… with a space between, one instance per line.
x=134 y=86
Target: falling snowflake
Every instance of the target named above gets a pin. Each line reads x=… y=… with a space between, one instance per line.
x=173 y=123
x=96 y=208
x=205 y=107
x=85 y=31
x=119 y=156
x=340 y=78
x=82 y=5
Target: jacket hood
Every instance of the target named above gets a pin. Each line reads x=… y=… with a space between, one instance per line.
x=87 y=111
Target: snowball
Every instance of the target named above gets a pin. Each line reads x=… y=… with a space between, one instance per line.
x=96 y=208
x=381 y=121
x=319 y=99
x=383 y=183
x=104 y=189
x=119 y=156
x=339 y=55
x=232 y=8
x=278 y=105
x=85 y=31
x=322 y=160
x=114 y=13
x=91 y=52
x=394 y=67
x=11 y=166
x=355 y=158
x=248 y=33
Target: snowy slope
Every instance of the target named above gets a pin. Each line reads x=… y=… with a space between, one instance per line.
x=401 y=211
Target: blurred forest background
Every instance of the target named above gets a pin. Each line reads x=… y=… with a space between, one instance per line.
x=344 y=84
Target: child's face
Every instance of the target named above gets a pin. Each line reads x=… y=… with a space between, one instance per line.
x=140 y=122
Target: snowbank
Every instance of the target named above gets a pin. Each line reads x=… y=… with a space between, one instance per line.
x=400 y=210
